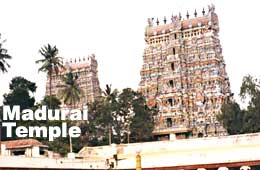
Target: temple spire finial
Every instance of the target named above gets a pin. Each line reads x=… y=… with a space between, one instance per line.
x=150 y=22
x=195 y=13
x=157 y=21
x=164 y=20
x=179 y=16
x=209 y=8
x=187 y=15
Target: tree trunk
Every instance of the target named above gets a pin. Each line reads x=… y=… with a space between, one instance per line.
x=109 y=135
x=70 y=140
x=50 y=84
x=0 y=137
x=70 y=143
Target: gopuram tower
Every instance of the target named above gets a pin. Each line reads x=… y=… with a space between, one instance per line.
x=85 y=70
x=184 y=76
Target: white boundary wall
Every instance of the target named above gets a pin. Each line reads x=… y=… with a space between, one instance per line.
x=237 y=148
x=183 y=152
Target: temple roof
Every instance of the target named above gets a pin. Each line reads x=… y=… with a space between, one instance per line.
x=75 y=66
x=184 y=24
x=22 y=143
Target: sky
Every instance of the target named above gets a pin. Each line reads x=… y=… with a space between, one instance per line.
x=113 y=30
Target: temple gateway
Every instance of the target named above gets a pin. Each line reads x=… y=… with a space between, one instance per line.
x=184 y=76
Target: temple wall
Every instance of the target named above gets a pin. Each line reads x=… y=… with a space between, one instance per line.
x=182 y=152
x=235 y=150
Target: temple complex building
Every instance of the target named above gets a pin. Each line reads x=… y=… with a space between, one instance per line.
x=184 y=76
x=86 y=72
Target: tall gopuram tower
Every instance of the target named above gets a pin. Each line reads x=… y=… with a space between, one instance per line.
x=184 y=76
x=86 y=72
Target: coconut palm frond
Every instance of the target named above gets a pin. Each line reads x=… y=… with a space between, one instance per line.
x=70 y=91
x=3 y=57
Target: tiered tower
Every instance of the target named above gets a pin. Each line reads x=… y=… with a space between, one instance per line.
x=86 y=71
x=183 y=75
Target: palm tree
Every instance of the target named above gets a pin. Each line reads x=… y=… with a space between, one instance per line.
x=3 y=68
x=51 y=63
x=3 y=57
x=70 y=93
x=109 y=94
x=108 y=90
x=110 y=98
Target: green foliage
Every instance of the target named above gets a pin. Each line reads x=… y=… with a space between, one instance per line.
x=122 y=115
x=142 y=123
x=51 y=62
x=55 y=102
x=59 y=145
x=20 y=90
x=70 y=92
x=22 y=83
x=3 y=57
x=116 y=117
x=232 y=117
x=100 y=120
x=238 y=121
x=19 y=94
x=250 y=87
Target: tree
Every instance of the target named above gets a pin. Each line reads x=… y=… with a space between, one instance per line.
x=21 y=82
x=50 y=64
x=111 y=105
x=20 y=89
x=70 y=92
x=232 y=117
x=3 y=57
x=125 y=113
x=20 y=94
x=99 y=124
x=59 y=144
x=238 y=121
x=55 y=102
x=111 y=95
x=251 y=88
x=142 y=124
